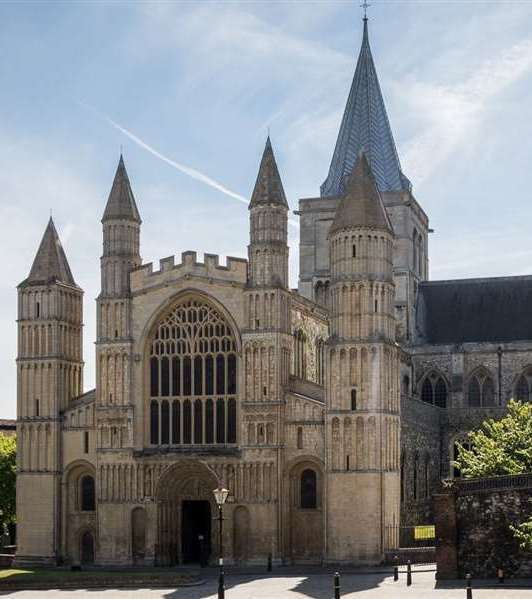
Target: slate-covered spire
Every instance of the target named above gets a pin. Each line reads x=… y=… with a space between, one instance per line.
x=50 y=264
x=121 y=203
x=361 y=204
x=365 y=126
x=268 y=187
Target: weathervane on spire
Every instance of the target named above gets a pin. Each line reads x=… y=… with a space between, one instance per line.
x=365 y=5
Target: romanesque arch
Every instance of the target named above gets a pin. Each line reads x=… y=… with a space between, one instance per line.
x=185 y=512
x=305 y=510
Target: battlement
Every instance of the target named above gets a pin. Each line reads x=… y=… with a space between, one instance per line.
x=235 y=270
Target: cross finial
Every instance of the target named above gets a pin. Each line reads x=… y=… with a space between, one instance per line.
x=365 y=5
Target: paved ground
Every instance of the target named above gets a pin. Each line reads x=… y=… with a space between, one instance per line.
x=293 y=586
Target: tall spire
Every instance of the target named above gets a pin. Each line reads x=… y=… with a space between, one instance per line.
x=365 y=127
x=50 y=264
x=268 y=186
x=361 y=204
x=121 y=203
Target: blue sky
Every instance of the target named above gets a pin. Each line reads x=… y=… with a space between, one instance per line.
x=201 y=82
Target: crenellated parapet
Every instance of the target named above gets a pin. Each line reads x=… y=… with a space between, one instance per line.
x=235 y=271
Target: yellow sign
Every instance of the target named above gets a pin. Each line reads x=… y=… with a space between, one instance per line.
x=424 y=533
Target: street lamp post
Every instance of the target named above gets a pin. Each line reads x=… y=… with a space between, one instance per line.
x=220 y=495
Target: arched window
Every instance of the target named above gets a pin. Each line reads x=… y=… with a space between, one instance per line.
x=308 y=489
x=434 y=390
x=523 y=387
x=300 y=437
x=353 y=399
x=193 y=366
x=406 y=385
x=300 y=358
x=320 y=362
x=88 y=497
x=481 y=390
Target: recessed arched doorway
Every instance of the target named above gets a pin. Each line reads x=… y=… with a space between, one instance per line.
x=87 y=548
x=185 y=508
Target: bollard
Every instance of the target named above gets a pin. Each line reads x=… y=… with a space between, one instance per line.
x=469 y=591
x=500 y=575
x=336 y=585
x=408 y=573
x=269 y=562
x=396 y=568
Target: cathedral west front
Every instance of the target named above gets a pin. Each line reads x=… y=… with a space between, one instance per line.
x=329 y=412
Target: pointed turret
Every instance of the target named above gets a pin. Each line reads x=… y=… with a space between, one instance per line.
x=121 y=203
x=268 y=187
x=361 y=204
x=268 y=217
x=365 y=126
x=50 y=264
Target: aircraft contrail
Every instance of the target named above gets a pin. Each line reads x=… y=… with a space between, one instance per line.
x=187 y=170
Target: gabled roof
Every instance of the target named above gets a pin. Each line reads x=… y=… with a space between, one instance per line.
x=268 y=187
x=365 y=126
x=361 y=204
x=121 y=203
x=50 y=264
x=492 y=310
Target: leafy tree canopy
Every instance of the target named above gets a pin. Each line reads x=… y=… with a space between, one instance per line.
x=500 y=446
x=8 y=472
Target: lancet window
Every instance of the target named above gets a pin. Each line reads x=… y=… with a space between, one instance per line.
x=523 y=388
x=193 y=378
x=481 y=390
x=434 y=390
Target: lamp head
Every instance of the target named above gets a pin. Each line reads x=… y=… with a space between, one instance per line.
x=220 y=495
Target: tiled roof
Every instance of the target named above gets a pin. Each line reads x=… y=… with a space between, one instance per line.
x=365 y=126
x=469 y=310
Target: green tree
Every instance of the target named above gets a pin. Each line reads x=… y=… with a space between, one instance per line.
x=8 y=474
x=523 y=533
x=500 y=446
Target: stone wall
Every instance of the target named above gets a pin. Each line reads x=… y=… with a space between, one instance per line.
x=473 y=519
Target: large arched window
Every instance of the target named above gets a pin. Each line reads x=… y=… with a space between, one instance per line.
x=88 y=496
x=481 y=390
x=309 y=495
x=434 y=390
x=320 y=362
x=523 y=387
x=193 y=378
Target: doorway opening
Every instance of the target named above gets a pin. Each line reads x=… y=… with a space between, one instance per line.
x=87 y=548
x=196 y=531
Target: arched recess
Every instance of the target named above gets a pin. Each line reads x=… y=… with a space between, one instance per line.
x=523 y=386
x=138 y=534
x=87 y=549
x=305 y=509
x=192 y=370
x=434 y=389
x=78 y=497
x=481 y=389
x=241 y=530
x=184 y=490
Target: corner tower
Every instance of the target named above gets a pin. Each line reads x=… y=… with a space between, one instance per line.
x=362 y=387
x=121 y=232
x=266 y=340
x=49 y=376
x=365 y=127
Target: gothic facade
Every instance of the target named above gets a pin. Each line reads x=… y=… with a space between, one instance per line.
x=329 y=412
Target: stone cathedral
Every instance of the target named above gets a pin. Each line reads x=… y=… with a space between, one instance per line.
x=329 y=412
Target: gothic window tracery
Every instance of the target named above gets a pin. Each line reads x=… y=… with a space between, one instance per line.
x=193 y=378
x=481 y=390
x=434 y=390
